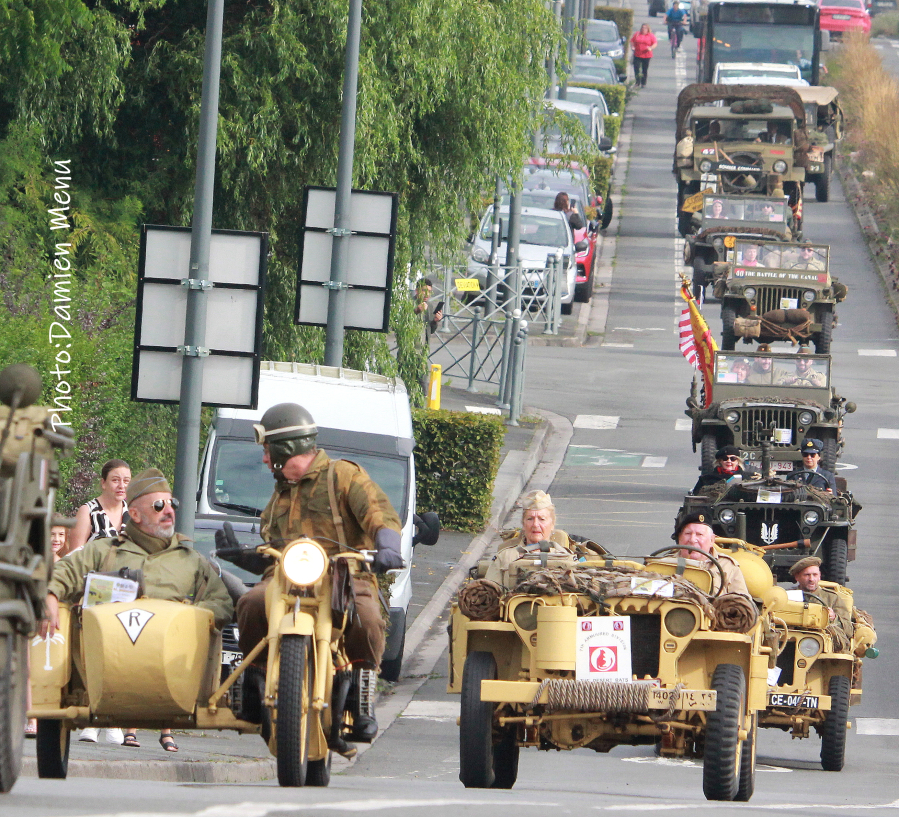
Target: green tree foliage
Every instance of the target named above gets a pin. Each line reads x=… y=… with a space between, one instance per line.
x=449 y=92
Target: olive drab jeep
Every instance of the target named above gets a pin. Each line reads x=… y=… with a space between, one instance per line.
x=777 y=291
x=824 y=120
x=755 y=392
x=817 y=674
x=29 y=478
x=739 y=139
x=595 y=652
x=720 y=221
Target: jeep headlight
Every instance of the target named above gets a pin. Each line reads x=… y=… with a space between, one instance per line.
x=780 y=166
x=727 y=516
x=811 y=517
x=480 y=255
x=705 y=166
x=809 y=295
x=809 y=647
x=806 y=418
x=732 y=417
x=680 y=621
x=304 y=562
x=749 y=292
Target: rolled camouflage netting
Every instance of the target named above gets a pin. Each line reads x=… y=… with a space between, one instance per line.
x=600 y=583
x=479 y=600
x=841 y=642
x=733 y=613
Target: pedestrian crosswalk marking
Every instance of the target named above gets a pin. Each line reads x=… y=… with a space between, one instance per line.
x=655 y=462
x=596 y=422
x=877 y=726
x=877 y=353
x=684 y=424
x=888 y=433
x=591 y=456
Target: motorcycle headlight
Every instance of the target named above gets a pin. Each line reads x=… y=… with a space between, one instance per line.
x=808 y=296
x=749 y=292
x=727 y=516
x=705 y=165
x=732 y=417
x=809 y=647
x=480 y=255
x=780 y=166
x=304 y=562
x=806 y=418
x=810 y=517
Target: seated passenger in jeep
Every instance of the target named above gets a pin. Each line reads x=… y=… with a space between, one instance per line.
x=538 y=524
x=805 y=374
x=764 y=372
x=694 y=531
x=728 y=464
x=807 y=573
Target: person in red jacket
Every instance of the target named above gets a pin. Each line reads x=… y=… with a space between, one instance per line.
x=642 y=44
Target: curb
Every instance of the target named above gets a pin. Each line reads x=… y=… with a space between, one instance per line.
x=164 y=771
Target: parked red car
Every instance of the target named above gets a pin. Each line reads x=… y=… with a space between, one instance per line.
x=839 y=16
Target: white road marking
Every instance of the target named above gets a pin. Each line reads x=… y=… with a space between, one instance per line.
x=877 y=726
x=877 y=353
x=654 y=462
x=432 y=710
x=600 y=422
x=845 y=466
x=619 y=345
x=888 y=433
x=684 y=424
x=754 y=807
x=483 y=410
x=637 y=329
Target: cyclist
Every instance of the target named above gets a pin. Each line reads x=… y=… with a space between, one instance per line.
x=677 y=26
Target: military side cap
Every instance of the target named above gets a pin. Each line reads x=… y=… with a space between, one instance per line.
x=536 y=501
x=802 y=564
x=151 y=481
x=697 y=517
x=810 y=445
x=727 y=451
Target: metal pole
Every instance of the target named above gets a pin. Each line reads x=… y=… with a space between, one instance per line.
x=557 y=294
x=341 y=232
x=549 y=287
x=513 y=414
x=504 y=363
x=523 y=363
x=473 y=362
x=551 y=67
x=197 y=282
x=513 y=240
x=507 y=391
x=491 y=295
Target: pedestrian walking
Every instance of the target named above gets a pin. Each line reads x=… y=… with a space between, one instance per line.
x=642 y=44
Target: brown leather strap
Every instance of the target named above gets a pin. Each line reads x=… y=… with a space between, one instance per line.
x=332 y=499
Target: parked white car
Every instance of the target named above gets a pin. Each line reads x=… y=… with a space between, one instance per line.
x=758 y=73
x=589 y=115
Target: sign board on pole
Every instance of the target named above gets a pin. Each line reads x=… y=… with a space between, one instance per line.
x=370 y=269
x=236 y=286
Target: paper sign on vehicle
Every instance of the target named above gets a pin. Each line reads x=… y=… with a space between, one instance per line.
x=771 y=497
x=783 y=436
x=795 y=595
x=652 y=587
x=789 y=303
x=100 y=589
x=467 y=284
x=603 y=648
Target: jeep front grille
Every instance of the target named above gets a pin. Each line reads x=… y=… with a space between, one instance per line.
x=769 y=418
x=770 y=297
x=646 y=639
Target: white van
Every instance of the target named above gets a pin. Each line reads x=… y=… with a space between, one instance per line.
x=361 y=417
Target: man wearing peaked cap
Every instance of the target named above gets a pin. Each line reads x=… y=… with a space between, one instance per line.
x=728 y=464
x=812 y=473
x=694 y=530
x=807 y=573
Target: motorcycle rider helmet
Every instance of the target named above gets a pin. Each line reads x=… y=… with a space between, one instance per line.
x=287 y=429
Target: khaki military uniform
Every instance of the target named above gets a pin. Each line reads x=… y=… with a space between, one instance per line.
x=303 y=508
x=835 y=602
x=512 y=551
x=733 y=576
x=177 y=573
x=810 y=378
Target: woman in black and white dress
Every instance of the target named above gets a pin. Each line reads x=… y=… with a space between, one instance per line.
x=103 y=518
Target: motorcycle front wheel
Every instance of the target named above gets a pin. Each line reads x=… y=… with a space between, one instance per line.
x=294 y=709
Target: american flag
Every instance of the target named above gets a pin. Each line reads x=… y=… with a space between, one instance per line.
x=687 y=341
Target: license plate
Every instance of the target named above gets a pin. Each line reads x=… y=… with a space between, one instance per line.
x=782 y=465
x=689 y=699
x=842 y=16
x=792 y=700
x=229 y=657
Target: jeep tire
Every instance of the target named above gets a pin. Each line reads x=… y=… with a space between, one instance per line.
x=833 y=731
x=723 y=750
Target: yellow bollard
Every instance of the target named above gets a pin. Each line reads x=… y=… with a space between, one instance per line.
x=433 y=395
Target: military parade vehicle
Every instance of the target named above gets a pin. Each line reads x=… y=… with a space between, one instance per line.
x=31 y=439
x=775 y=291
x=719 y=220
x=787 y=393
x=742 y=140
x=824 y=120
x=596 y=652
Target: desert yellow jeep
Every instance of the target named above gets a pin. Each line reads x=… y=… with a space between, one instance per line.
x=595 y=652
x=818 y=674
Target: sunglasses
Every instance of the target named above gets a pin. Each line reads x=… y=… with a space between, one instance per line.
x=809 y=453
x=730 y=459
x=159 y=504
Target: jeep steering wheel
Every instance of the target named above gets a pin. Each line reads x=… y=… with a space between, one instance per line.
x=712 y=559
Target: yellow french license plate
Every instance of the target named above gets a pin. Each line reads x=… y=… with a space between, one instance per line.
x=468 y=285
x=703 y=700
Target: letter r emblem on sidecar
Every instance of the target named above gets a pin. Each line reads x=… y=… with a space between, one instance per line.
x=134 y=622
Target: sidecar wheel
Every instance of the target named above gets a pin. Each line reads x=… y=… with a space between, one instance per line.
x=13 y=681
x=294 y=709
x=52 y=749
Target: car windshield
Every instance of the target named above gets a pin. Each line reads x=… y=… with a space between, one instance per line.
x=793 y=371
x=586 y=96
x=597 y=74
x=601 y=31
x=545 y=199
x=780 y=256
x=555 y=179
x=751 y=73
x=743 y=208
x=743 y=130
x=241 y=480
x=544 y=231
x=844 y=4
x=746 y=42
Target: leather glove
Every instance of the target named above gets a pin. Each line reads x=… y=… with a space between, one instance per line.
x=390 y=553
x=243 y=556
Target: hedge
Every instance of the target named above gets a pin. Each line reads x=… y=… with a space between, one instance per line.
x=613 y=127
x=456 y=460
x=614 y=94
x=601 y=174
x=623 y=17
